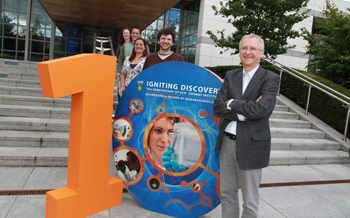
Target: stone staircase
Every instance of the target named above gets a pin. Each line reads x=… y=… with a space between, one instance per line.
x=34 y=130
x=296 y=141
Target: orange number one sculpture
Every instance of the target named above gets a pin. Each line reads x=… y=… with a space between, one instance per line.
x=89 y=78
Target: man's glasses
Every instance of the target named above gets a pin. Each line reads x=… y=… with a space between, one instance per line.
x=252 y=49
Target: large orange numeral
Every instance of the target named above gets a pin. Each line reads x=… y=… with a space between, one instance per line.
x=89 y=78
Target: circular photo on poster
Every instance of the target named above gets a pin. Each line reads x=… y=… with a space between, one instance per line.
x=121 y=129
x=196 y=187
x=174 y=143
x=136 y=105
x=127 y=164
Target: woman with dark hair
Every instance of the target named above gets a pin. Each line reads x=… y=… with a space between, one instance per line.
x=159 y=138
x=124 y=36
x=160 y=144
x=133 y=64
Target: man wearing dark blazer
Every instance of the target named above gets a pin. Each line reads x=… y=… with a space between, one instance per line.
x=245 y=102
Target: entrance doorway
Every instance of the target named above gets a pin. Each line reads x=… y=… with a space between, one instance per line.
x=89 y=37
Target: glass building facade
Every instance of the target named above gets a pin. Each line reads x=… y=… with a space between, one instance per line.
x=183 y=19
x=13 y=25
x=28 y=33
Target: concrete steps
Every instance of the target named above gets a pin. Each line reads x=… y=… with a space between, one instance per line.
x=34 y=124
x=34 y=111
x=304 y=144
x=20 y=83
x=284 y=115
x=34 y=101
x=34 y=130
x=296 y=133
x=300 y=157
x=33 y=156
x=6 y=90
x=33 y=139
x=291 y=123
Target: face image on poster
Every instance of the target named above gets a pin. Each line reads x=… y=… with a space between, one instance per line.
x=165 y=121
x=180 y=140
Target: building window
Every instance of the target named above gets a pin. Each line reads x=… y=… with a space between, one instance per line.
x=40 y=31
x=183 y=20
x=13 y=27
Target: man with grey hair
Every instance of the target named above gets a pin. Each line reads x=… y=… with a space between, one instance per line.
x=245 y=102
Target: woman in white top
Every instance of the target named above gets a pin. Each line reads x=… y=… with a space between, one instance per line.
x=133 y=64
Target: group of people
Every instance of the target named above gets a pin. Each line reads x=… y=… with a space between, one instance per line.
x=133 y=54
x=245 y=102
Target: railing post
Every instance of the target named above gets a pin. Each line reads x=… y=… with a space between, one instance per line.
x=346 y=122
x=279 y=86
x=308 y=100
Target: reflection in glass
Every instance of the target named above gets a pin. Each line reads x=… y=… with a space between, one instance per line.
x=10 y=30
x=36 y=57
x=10 y=17
x=23 y=5
x=58 y=32
x=47 y=47
x=194 y=28
x=20 y=45
x=11 y=5
x=37 y=8
x=38 y=33
x=58 y=55
x=183 y=41
x=48 y=34
x=62 y=29
x=88 y=44
x=22 y=19
x=194 y=41
x=194 y=17
x=60 y=44
x=20 y=56
x=174 y=26
x=153 y=26
x=10 y=43
x=12 y=53
x=48 y=23
x=185 y=49
x=160 y=24
x=37 y=46
x=38 y=21
x=21 y=33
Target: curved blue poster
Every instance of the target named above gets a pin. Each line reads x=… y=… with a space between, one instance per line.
x=164 y=136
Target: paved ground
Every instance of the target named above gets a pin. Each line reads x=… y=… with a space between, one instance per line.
x=296 y=201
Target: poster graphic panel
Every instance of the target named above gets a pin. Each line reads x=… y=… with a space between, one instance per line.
x=164 y=136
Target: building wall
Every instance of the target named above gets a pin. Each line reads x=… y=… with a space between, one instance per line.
x=208 y=55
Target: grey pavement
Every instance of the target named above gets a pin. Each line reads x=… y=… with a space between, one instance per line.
x=295 y=201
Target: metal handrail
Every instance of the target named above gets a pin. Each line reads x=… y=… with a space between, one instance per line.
x=312 y=84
